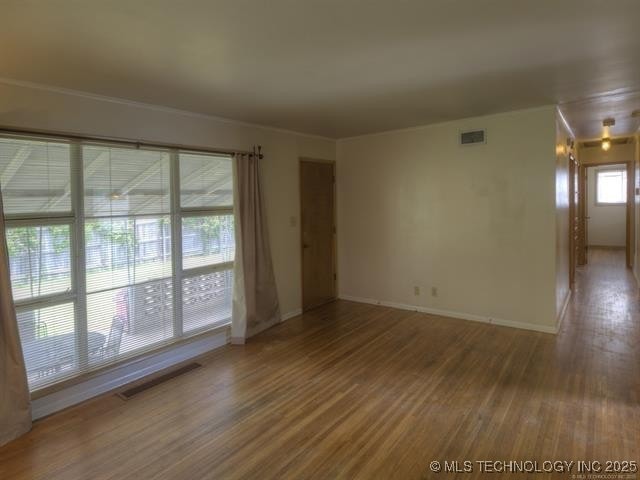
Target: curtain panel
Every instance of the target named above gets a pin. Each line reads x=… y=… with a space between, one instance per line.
x=15 y=403
x=255 y=305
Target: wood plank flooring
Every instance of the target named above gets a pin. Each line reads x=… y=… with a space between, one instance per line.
x=359 y=391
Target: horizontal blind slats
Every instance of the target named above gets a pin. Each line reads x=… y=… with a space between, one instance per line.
x=34 y=176
x=128 y=250
x=121 y=181
x=205 y=181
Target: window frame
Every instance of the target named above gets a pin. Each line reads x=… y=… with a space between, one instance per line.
x=190 y=212
x=76 y=220
x=35 y=301
x=614 y=168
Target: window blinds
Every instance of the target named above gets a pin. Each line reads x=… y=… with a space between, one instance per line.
x=108 y=259
x=207 y=239
x=35 y=176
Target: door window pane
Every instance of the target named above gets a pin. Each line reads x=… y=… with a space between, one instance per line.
x=39 y=260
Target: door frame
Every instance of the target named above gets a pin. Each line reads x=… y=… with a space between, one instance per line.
x=334 y=247
x=629 y=208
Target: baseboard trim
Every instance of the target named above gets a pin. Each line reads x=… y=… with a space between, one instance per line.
x=293 y=313
x=453 y=314
x=117 y=377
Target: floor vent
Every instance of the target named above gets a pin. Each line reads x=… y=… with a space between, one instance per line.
x=131 y=392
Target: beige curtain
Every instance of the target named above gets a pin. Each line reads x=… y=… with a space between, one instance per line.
x=255 y=305
x=15 y=406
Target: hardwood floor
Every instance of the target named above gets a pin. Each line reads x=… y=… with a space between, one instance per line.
x=359 y=391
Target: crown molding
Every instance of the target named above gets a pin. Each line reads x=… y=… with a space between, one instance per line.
x=566 y=124
x=151 y=106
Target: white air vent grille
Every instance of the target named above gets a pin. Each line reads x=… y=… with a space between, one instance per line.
x=473 y=137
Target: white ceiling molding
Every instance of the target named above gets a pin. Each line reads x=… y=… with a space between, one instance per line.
x=151 y=106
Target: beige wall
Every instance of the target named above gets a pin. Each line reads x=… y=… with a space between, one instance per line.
x=477 y=222
x=562 y=215
x=607 y=224
x=60 y=111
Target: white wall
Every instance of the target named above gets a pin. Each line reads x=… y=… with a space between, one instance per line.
x=477 y=222
x=607 y=224
x=57 y=110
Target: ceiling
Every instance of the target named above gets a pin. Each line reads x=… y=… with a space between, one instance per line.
x=586 y=116
x=336 y=68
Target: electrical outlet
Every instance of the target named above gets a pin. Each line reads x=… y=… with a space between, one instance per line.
x=416 y=291
x=434 y=291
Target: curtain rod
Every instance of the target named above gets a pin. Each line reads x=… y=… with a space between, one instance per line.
x=129 y=141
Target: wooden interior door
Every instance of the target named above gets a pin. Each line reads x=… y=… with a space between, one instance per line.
x=582 y=215
x=631 y=214
x=574 y=218
x=317 y=213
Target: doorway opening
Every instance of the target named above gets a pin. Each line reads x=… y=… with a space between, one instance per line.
x=606 y=209
x=608 y=213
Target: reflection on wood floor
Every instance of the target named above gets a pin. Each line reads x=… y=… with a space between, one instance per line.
x=360 y=391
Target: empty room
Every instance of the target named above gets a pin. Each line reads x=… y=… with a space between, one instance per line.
x=319 y=239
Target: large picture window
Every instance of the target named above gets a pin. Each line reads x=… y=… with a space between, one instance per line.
x=114 y=250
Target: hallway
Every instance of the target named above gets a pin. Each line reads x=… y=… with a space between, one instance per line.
x=601 y=329
x=598 y=355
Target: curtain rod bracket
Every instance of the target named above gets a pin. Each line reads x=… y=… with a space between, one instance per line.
x=258 y=153
x=255 y=153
